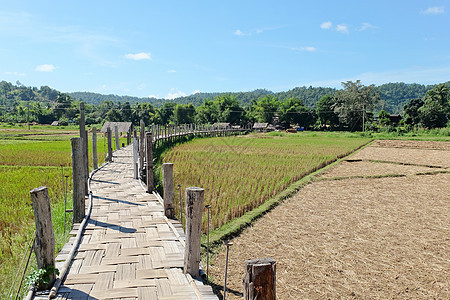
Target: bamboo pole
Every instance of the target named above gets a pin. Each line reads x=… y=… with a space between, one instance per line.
x=194 y=211
x=78 y=180
x=45 y=238
x=169 y=194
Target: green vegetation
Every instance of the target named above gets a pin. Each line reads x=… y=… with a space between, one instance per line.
x=241 y=173
x=311 y=108
x=29 y=159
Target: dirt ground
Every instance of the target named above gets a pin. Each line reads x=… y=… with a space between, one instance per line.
x=381 y=237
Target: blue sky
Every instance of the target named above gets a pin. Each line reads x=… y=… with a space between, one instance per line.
x=175 y=48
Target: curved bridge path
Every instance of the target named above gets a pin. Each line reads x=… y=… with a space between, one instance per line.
x=129 y=249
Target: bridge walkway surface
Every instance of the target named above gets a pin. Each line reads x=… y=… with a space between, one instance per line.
x=129 y=249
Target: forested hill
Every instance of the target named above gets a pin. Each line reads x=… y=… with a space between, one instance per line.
x=394 y=96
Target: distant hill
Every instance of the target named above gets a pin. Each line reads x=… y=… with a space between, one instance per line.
x=394 y=96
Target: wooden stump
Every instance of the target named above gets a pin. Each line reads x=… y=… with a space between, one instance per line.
x=260 y=279
x=169 y=194
x=149 y=161
x=44 y=245
x=109 y=138
x=194 y=212
x=94 y=148
x=141 y=146
x=117 y=137
x=79 y=178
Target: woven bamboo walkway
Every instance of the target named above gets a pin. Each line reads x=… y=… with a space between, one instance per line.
x=129 y=249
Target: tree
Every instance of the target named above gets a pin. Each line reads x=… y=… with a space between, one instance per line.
x=293 y=111
x=184 y=113
x=145 y=112
x=325 y=111
x=384 y=118
x=439 y=93
x=411 y=111
x=165 y=113
x=432 y=114
x=354 y=102
x=228 y=110
x=265 y=108
x=206 y=113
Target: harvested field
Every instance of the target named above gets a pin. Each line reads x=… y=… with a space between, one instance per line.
x=358 y=238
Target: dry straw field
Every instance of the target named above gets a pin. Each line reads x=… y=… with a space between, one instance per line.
x=375 y=226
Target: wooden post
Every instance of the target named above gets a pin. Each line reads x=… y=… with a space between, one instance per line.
x=260 y=279
x=169 y=193
x=141 y=145
x=116 y=135
x=94 y=148
x=84 y=146
x=135 y=159
x=109 y=138
x=149 y=160
x=194 y=211
x=129 y=136
x=44 y=245
x=78 y=180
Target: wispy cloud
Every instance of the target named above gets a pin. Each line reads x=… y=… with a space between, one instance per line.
x=15 y=74
x=326 y=25
x=45 y=68
x=196 y=92
x=139 y=56
x=435 y=10
x=175 y=94
x=342 y=28
x=366 y=26
x=171 y=71
x=306 y=48
x=239 y=32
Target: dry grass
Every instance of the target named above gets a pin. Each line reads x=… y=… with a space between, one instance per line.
x=377 y=238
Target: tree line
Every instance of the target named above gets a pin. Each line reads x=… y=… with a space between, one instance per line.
x=351 y=108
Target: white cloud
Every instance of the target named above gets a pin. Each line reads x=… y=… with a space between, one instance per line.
x=366 y=26
x=45 y=68
x=239 y=33
x=153 y=96
x=171 y=71
x=307 y=48
x=342 y=28
x=139 y=56
x=175 y=94
x=15 y=73
x=326 y=25
x=435 y=10
x=196 y=92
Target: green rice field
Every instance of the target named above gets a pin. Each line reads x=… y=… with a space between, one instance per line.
x=29 y=159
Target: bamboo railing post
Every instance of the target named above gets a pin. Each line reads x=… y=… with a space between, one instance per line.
x=169 y=193
x=117 y=138
x=135 y=159
x=109 y=138
x=194 y=211
x=94 y=148
x=44 y=245
x=78 y=180
x=141 y=146
x=260 y=279
x=149 y=160
x=84 y=146
x=129 y=136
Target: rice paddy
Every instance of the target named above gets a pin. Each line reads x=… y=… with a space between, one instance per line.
x=242 y=172
x=29 y=159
